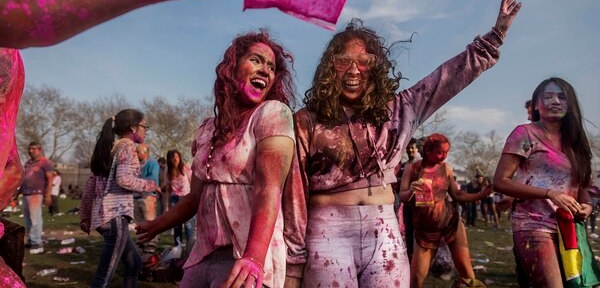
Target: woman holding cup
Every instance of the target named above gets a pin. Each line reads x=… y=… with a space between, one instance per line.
x=428 y=182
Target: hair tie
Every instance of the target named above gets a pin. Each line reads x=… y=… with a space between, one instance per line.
x=113 y=121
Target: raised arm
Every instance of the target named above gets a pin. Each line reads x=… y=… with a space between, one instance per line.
x=31 y=23
x=445 y=82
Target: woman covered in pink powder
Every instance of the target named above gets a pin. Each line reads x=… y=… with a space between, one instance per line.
x=350 y=138
x=241 y=161
x=428 y=182
x=546 y=166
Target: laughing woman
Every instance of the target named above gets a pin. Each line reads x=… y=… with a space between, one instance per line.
x=241 y=160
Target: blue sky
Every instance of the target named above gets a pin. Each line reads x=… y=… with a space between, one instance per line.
x=171 y=49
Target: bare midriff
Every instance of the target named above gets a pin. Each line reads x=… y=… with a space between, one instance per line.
x=375 y=195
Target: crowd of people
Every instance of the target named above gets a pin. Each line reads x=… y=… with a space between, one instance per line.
x=275 y=198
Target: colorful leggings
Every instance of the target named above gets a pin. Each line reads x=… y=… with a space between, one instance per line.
x=538 y=254
x=355 y=246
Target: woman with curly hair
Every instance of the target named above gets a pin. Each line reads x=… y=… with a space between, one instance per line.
x=350 y=138
x=241 y=160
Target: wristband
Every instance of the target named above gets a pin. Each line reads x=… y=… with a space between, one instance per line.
x=498 y=32
x=255 y=262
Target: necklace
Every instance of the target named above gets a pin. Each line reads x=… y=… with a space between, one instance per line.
x=210 y=154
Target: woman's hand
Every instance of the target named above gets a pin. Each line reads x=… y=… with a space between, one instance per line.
x=584 y=213
x=246 y=272
x=146 y=231
x=506 y=15
x=564 y=201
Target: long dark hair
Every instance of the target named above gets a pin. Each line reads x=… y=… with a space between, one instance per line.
x=323 y=97
x=172 y=170
x=226 y=109
x=119 y=124
x=573 y=138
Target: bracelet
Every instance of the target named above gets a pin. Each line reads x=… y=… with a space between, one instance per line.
x=547 y=191
x=498 y=32
x=255 y=262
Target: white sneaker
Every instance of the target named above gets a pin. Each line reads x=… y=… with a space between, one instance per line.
x=594 y=236
x=38 y=250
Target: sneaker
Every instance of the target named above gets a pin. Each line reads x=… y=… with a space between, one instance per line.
x=28 y=245
x=594 y=236
x=36 y=250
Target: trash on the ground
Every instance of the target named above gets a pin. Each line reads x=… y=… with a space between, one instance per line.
x=479 y=230
x=51 y=239
x=597 y=258
x=68 y=233
x=488 y=243
x=79 y=250
x=61 y=279
x=488 y=282
x=505 y=248
x=65 y=250
x=67 y=283
x=172 y=253
x=67 y=241
x=499 y=262
x=479 y=268
x=594 y=236
x=47 y=272
x=481 y=260
x=77 y=262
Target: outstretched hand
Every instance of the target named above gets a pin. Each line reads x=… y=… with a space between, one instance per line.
x=146 y=231
x=245 y=273
x=506 y=15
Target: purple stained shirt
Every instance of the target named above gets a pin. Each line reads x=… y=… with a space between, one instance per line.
x=327 y=162
x=225 y=207
x=542 y=166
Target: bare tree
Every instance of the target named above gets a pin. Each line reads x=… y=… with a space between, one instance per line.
x=47 y=117
x=174 y=125
x=475 y=153
x=437 y=123
x=90 y=118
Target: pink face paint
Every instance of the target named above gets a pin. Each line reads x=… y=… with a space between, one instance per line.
x=255 y=74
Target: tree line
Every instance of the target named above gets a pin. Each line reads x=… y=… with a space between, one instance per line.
x=67 y=129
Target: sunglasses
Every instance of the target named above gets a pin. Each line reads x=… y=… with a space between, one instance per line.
x=342 y=62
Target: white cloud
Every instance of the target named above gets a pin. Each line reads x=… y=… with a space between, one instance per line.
x=488 y=117
x=397 y=11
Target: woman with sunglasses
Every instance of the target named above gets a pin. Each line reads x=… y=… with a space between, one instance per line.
x=350 y=139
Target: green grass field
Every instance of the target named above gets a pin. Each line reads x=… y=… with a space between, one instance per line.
x=489 y=248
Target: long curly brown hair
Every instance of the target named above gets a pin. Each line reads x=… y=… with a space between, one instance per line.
x=323 y=98
x=226 y=90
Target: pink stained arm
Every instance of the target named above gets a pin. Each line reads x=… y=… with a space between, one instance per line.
x=29 y=23
x=12 y=82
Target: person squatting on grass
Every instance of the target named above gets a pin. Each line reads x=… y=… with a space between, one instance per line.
x=241 y=161
x=350 y=139
x=107 y=203
x=429 y=181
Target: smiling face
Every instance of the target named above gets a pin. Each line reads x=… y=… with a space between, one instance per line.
x=353 y=80
x=552 y=103
x=255 y=74
x=438 y=154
